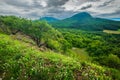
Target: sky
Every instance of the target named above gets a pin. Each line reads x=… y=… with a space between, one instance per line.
x=61 y=9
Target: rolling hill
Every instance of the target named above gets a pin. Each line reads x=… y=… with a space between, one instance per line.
x=85 y=21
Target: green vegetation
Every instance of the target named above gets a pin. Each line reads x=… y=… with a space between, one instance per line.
x=21 y=61
x=100 y=46
x=34 y=50
x=41 y=32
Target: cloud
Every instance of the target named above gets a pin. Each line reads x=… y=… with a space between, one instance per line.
x=56 y=2
x=106 y=3
x=59 y=8
x=86 y=7
x=111 y=15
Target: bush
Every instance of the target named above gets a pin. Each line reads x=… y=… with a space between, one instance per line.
x=111 y=61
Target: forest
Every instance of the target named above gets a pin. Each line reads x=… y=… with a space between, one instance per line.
x=37 y=50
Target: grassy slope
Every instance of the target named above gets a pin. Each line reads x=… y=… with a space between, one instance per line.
x=21 y=60
x=78 y=54
x=82 y=54
x=111 y=31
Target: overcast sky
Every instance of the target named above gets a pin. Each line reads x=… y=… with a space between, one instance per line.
x=60 y=8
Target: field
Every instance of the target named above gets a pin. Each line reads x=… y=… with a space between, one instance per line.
x=111 y=31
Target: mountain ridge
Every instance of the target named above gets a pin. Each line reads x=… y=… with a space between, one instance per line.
x=115 y=19
x=85 y=21
x=48 y=19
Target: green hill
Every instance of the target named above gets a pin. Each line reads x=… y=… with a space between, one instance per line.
x=34 y=50
x=85 y=21
x=41 y=32
x=23 y=61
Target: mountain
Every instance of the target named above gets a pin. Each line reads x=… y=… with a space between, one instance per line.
x=83 y=15
x=85 y=21
x=49 y=19
x=115 y=19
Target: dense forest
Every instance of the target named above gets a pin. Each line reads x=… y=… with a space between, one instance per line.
x=37 y=50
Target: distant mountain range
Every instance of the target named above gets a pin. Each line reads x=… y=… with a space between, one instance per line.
x=84 y=21
x=49 y=19
x=115 y=19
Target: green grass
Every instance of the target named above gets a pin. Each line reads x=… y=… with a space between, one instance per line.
x=22 y=61
x=79 y=54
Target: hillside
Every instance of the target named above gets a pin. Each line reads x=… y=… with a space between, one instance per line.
x=85 y=21
x=33 y=50
x=20 y=60
x=41 y=32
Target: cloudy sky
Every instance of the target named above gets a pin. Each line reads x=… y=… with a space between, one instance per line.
x=60 y=8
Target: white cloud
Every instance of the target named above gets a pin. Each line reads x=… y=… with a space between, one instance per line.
x=43 y=3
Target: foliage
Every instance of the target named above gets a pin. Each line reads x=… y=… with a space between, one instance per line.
x=24 y=62
x=21 y=59
x=112 y=61
x=40 y=31
x=103 y=47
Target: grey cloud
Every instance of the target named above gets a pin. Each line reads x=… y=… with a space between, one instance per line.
x=24 y=4
x=9 y=12
x=61 y=14
x=56 y=2
x=33 y=14
x=65 y=14
x=35 y=8
x=26 y=10
x=117 y=12
x=94 y=0
x=114 y=14
x=17 y=3
x=36 y=4
x=106 y=3
x=86 y=7
x=56 y=10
